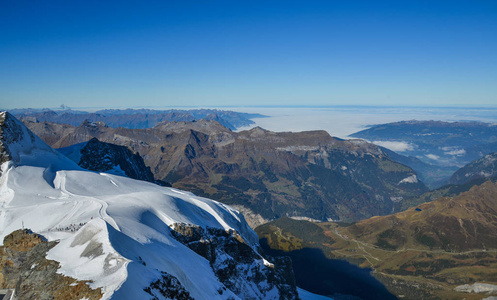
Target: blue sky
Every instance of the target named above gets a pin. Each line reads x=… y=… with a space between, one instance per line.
x=238 y=53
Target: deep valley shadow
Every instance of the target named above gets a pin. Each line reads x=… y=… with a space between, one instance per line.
x=318 y=274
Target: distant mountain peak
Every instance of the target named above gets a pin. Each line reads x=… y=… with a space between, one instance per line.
x=12 y=133
x=18 y=144
x=88 y=123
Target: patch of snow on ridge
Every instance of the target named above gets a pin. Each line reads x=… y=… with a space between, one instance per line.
x=477 y=288
x=411 y=179
x=110 y=228
x=73 y=152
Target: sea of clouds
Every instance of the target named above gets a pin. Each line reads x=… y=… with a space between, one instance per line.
x=341 y=121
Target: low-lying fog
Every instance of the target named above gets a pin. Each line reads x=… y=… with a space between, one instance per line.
x=345 y=120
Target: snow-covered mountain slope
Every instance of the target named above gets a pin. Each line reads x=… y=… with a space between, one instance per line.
x=19 y=146
x=132 y=239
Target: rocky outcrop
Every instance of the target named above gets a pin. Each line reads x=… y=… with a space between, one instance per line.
x=169 y=287
x=24 y=267
x=253 y=219
x=98 y=156
x=238 y=266
x=4 y=151
x=10 y=133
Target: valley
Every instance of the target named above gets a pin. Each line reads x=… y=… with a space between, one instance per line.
x=437 y=149
x=436 y=250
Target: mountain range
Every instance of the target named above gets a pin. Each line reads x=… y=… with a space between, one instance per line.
x=474 y=173
x=136 y=118
x=265 y=174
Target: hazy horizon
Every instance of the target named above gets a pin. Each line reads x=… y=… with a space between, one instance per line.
x=343 y=120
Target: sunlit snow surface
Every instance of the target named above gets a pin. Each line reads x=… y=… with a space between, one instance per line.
x=121 y=225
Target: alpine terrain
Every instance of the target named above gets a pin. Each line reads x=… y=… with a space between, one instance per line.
x=95 y=155
x=69 y=233
x=265 y=174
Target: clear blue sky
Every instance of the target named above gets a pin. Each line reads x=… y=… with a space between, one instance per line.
x=207 y=53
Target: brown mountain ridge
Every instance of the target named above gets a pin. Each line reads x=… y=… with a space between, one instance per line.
x=266 y=174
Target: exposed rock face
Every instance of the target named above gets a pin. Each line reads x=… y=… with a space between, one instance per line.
x=95 y=155
x=10 y=133
x=238 y=266
x=252 y=218
x=23 y=267
x=4 y=151
x=169 y=287
x=306 y=174
x=483 y=168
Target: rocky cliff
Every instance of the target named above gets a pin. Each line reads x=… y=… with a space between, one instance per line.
x=95 y=155
x=25 y=268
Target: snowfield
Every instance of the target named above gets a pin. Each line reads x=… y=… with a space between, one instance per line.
x=124 y=227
